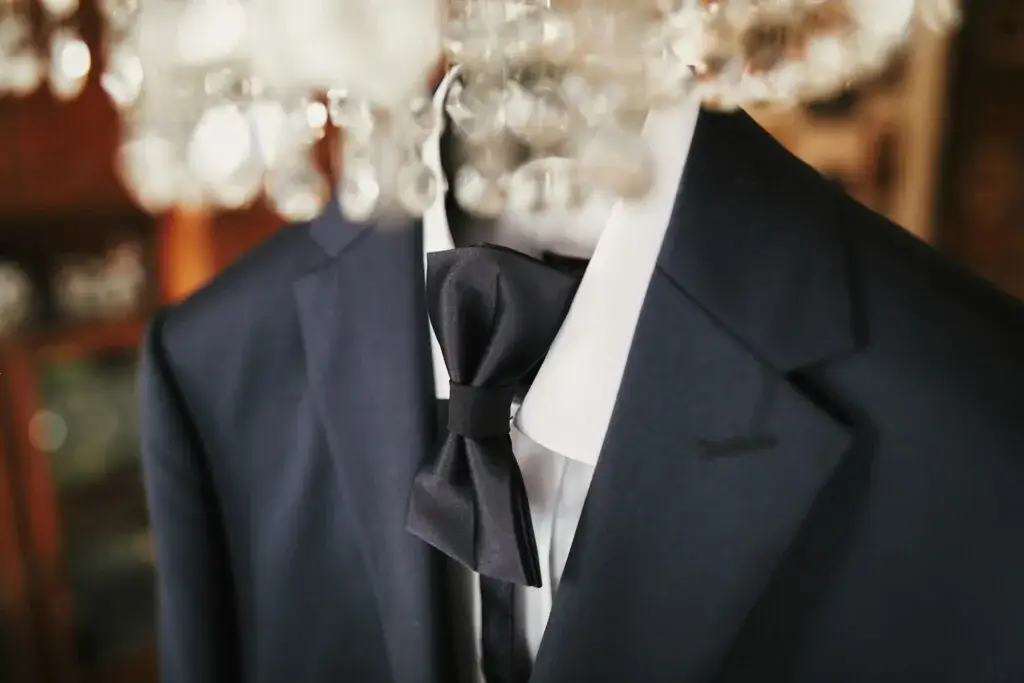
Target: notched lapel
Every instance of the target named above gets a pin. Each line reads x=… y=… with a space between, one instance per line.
x=713 y=457
x=675 y=547
x=363 y=325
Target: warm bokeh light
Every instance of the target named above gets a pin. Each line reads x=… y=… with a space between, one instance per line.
x=96 y=234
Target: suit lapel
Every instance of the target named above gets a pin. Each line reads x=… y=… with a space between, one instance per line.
x=367 y=356
x=713 y=456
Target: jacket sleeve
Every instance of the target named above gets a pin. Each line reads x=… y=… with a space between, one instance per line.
x=197 y=622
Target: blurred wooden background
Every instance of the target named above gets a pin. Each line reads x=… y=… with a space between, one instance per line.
x=937 y=143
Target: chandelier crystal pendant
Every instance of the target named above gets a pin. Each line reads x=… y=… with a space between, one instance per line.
x=65 y=63
x=223 y=100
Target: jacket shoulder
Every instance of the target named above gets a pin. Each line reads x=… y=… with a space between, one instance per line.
x=240 y=307
x=246 y=290
x=895 y=259
x=947 y=341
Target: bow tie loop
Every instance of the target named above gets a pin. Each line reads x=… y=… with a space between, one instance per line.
x=479 y=412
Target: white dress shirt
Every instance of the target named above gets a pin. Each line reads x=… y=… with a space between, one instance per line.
x=559 y=429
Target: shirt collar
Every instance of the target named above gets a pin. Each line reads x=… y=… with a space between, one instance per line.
x=569 y=405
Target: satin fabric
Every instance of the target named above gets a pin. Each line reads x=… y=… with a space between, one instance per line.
x=495 y=312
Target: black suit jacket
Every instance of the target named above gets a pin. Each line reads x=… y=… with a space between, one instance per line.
x=814 y=472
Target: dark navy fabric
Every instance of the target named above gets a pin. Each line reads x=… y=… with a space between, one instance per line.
x=814 y=472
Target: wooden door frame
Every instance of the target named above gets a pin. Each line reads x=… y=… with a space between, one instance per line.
x=19 y=364
x=40 y=506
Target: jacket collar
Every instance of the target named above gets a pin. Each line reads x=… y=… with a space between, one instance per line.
x=756 y=240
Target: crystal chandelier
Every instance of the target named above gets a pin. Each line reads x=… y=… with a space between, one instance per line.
x=223 y=100
x=64 y=66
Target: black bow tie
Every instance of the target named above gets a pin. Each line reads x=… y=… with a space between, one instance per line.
x=495 y=312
